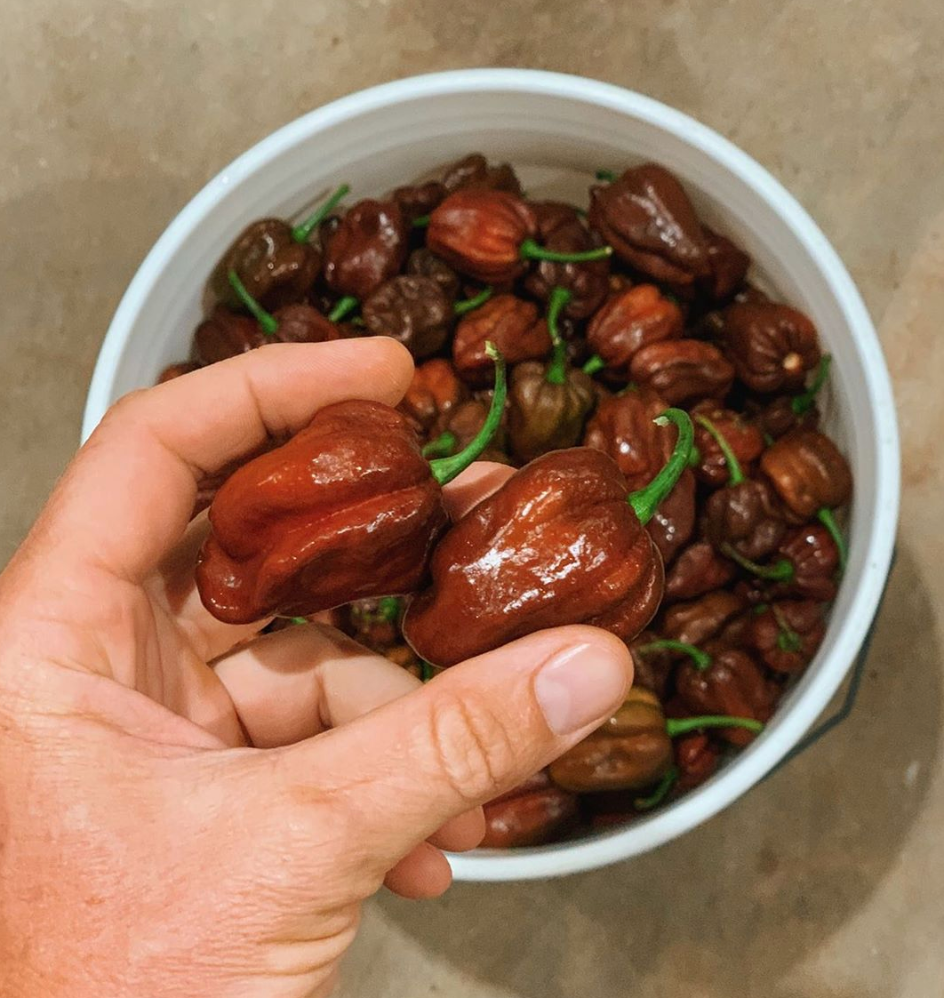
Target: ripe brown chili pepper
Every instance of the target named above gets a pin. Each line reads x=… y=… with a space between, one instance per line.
x=412 y=310
x=682 y=370
x=433 y=392
x=696 y=759
x=729 y=266
x=631 y=320
x=652 y=670
x=673 y=523
x=787 y=634
x=743 y=438
x=699 y=569
x=511 y=323
x=347 y=509
x=416 y=200
x=176 y=371
x=772 y=346
x=458 y=426
x=695 y=622
x=225 y=334
x=475 y=171
x=647 y=218
x=808 y=472
x=425 y=263
x=559 y=543
x=368 y=248
x=529 y=815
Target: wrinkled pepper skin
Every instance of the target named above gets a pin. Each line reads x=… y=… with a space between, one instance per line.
x=304 y=324
x=777 y=417
x=698 y=620
x=787 y=634
x=544 y=416
x=474 y=171
x=556 y=544
x=274 y=268
x=479 y=233
x=771 y=346
x=815 y=559
x=808 y=472
x=728 y=265
x=673 y=522
x=530 y=814
x=682 y=371
x=225 y=334
x=631 y=320
x=744 y=438
x=347 y=509
x=647 y=218
x=561 y=230
x=699 y=569
x=652 y=670
x=748 y=516
x=424 y=263
x=464 y=420
x=733 y=685
x=368 y=248
x=415 y=200
x=512 y=324
x=696 y=759
x=412 y=310
x=434 y=391
x=631 y=751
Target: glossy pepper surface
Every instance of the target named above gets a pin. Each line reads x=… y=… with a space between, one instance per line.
x=673 y=522
x=786 y=634
x=528 y=815
x=696 y=621
x=511 y=323
x=412 y=310
x=697 y=570
x=744 y=440
x=728 y=266
x=368 y=248
x=434 y=391
x=808 y=472
x=424 y=263
x=474 y=171
x=225 y=333
x=696 y=759
x=771 y=346
x=682 y=371
x=630 y=320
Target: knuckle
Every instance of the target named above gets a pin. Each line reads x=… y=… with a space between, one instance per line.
x=473 y=748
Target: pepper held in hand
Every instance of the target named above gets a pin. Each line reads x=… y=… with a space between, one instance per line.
x=347 y=509
x=559 y=543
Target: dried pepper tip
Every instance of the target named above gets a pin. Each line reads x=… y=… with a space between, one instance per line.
x=302 y=231
x=780 y=571
x=441 y=446
x=342 y=307
x=608 y=176
x=676 y=726
x=701 y=659
x=531 y=250
x=421 y=222
x=267 y=321
x=804 y=402
x=445 y=469
x=594 y=364
x=557 y=369
x=646 y=500
x=826 y=518
x=735 y=474
x=659 y=794
x=470 y=304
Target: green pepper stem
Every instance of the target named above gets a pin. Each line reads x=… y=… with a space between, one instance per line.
x=531 y=250
x=826 y=518
x=606 y=175
x=426 y=671
x=594 y=364
x=557 y=369
x=780 y=571
x=421 y=221
x=694 y=458
x=676 y=726
x=701 y=659
x=388 y=609
x=645 y=501
x=803 y=403
x=445 y=469
x=303 y=230
x=267 y=321
x=298 y=620
x=441 y=446
x=660 y=793
x=470 y=304
x=736 y=475
x=342 y=307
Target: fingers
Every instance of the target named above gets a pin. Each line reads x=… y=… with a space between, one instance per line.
x=476 y=483
x=127 y=497
x=423 y=873
x=472 y=733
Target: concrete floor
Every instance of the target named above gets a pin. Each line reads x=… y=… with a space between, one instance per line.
x=825 y=881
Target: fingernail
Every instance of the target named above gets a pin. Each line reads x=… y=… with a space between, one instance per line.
x=581 y=684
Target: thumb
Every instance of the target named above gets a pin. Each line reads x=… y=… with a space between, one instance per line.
x=472 y=733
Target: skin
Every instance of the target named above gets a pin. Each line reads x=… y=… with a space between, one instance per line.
x=188 y=809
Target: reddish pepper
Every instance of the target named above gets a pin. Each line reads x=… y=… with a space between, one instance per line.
x=745 y=441
x=631 y=320
x=786 y=634
x=368 y=248
x=771 y=346
x=682 y=370
x=695 y=622
x=790 y=412
x=696 y=759
x=225 y=334
x=673 y=523
x=416 y=200
x=433 y=392
x=808 y=471
x=728 y=263
x=475 y=171
x=648 y=219
x=176 y=371
x=529 y=815
x=347 y=509
x=559 y=543
x=652 y=668
x=412 y=310
x=699 y=569
x=511 y=323
x=458 y=426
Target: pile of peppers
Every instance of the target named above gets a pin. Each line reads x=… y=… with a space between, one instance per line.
x=672 y=482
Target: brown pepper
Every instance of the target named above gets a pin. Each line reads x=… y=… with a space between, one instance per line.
x=729 y=266
x=412 y=310
x=647 y=218
x=673 y=522
x=176 y=371
x=744 y=439
x=747 y=516
x=544 y=416
x=631 y=320
x=225 y=334
x=368 y=248
x=682 y=370
x=814 y=557
x=511 y=323
x=696 y=759
x=418 y=199
x=778 y=416
x=424 y=263
x=695 y=622
x=528 y=818
x=475 y=171
x=403 y=656
x=463 y=421
x=304 y=324
x=787 y=634
x=433 y=392
x=699 y=569
x=808 y=472
x=771 y=346
x=652 y=669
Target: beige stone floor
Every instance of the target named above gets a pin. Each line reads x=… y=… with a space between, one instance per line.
x=827 y=880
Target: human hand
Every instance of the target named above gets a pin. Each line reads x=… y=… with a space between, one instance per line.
x=189 y=809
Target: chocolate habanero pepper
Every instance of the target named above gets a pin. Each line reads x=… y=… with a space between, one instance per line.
x=532 y=813
x=412 y=310
x=511 y=323
x=772 y=346
x=682 y=370
x=629 y=321
x=789 y=412
x=743 y=438
x=416 y=200
x=652 y=670
x=548 y=404
x=224 y=334
x=787 y=633
x=697 y=570
x=561 y=542
x=424 y=263
x=647 y=218
x=347 y=509
x=673 y=523
x=696 y=621
x=475 y=171
x=173 y=371
x=728 y=264
x=489 y=235
x=459 y=425
x=696 y=759
x=368 y=248
x=745 y=514
x=433 y=392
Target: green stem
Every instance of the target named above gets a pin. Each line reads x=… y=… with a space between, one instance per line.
x=441 y=446
x=694 y=459
x=470 y=304
x=606 y=175
x=787 y=637
x=388 y=609
x=701 y=659
x=426 y=671
x=646 y=500
x=736 y=475
x=780 y=571
x=803 y=403
x=659 y=794
x=299 y=620
x=303 y=230
x=342 y=307
x=676 y=726
x=531 y=250
x=267 y=321
x=445 y=469
x=825 y=517
x=594 y=364
x=557 y=369
x=421 y=222
x=768 y=439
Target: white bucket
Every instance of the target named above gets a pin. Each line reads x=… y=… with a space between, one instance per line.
x=558 y=129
